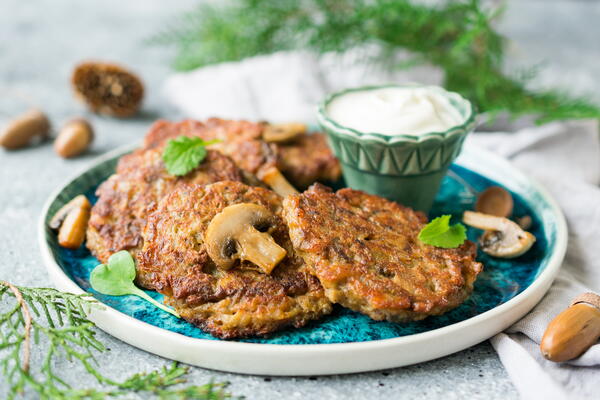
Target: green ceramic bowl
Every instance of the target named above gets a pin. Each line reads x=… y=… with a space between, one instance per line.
x=405 y=168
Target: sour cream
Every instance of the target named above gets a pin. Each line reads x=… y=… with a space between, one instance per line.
x=395 y=111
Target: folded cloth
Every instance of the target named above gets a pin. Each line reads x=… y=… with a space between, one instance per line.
x=565 y=157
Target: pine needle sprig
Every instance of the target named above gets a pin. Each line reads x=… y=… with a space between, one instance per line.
x=58 y=321
x=457 y=36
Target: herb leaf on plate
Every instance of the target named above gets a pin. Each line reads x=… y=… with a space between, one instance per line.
x=116 y=279
x=183 y=154
x=439 y=233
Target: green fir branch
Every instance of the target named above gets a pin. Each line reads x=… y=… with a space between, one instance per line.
x=455 y=35
x=59 y=320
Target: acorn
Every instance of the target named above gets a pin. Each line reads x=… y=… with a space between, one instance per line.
x=574 y=330
x=107 y=88
x=24 y=129
x=74 y=138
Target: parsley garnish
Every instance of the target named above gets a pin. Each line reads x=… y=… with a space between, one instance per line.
x=116 y=279
x=439 y=233
x=183 y=154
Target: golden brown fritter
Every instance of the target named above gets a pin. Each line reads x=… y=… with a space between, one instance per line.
x=241 y=301
x=308 y=159
x=365 y=251
x=303 y=161
x=126 y=198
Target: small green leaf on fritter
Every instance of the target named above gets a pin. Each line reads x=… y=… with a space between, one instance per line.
x=439 y=233
x=116 y=279
x=183 y=154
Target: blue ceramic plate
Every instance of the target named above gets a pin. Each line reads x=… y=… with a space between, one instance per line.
x=345 y=341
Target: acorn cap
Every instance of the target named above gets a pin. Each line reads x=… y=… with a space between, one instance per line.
x=589 y=298
x=108 y=88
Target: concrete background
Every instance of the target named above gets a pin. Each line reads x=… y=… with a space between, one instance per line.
x=40 y=41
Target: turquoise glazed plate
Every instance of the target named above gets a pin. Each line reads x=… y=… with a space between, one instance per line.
x=345 y=341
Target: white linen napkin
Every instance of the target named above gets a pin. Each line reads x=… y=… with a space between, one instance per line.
x=565 y=157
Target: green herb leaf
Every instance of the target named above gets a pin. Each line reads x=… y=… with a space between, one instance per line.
x=116 y=279
x=439 y=233
x=183 y=154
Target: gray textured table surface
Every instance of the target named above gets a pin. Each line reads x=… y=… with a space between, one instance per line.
x=40 y=41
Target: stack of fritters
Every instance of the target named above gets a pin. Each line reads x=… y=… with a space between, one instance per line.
x=358 y=250
x=141 y=180
x=304 y=160
x=126 y=199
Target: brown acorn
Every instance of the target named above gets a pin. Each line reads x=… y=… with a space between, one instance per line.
x=108 y=88
x=574 y=330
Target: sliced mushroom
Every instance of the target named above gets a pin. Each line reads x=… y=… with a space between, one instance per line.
x=61 y=214
x=276 y=181
x=503 y=238
x=278 y=133
x=72 y=230
x=234 y=234
x=495 y=201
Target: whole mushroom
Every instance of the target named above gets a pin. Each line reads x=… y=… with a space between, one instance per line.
x=503 y=238
x=241 y=232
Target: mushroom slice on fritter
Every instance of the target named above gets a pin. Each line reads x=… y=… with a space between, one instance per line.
x=241 y=232
x=503 y=238
x=278 y=133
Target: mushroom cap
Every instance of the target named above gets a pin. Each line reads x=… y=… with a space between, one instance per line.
x=503 y=238
x=229 y=225
x=495 y=201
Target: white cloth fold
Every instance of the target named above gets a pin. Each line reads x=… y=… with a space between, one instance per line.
x=565 y=157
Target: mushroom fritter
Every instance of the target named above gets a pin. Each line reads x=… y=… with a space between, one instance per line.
x=303 y=160
x=229 y=303
x=127 y=197
x=365 y=251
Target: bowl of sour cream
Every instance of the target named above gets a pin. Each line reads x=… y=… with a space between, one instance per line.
x=397 y=141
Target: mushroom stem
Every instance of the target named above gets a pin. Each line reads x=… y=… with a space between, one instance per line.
x=276 y=181
x=260 y=249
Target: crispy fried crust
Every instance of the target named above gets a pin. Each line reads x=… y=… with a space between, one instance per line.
x=365 y=251
x=126 y=198
x=229 y=304
x=307 y=160
x=303 y=161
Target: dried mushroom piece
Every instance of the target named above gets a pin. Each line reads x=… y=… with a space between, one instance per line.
x=108 y=88
x=503 y=238
x=241 y=232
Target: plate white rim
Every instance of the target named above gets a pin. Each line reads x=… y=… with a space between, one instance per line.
x=233 y=354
